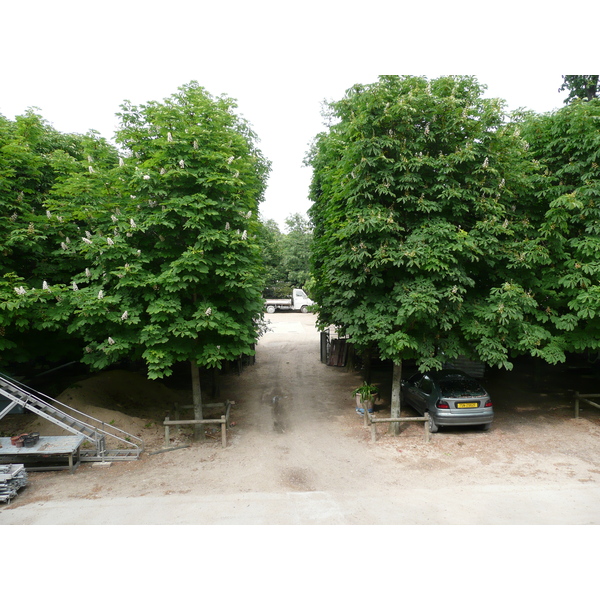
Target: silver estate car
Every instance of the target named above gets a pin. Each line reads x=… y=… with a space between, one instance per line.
x=451 y=397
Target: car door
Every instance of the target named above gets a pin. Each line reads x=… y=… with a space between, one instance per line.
x=410 y=391
x=425 y=394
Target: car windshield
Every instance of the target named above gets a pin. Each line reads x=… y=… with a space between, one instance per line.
x=461 y=388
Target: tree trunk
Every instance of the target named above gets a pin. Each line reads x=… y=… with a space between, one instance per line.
x=592 y=88
x=367 y=365
x=216 y=385
x=197 y=401
x=537 y=375
x=395 y=405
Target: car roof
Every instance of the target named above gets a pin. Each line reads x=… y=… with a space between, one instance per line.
x=448 y=375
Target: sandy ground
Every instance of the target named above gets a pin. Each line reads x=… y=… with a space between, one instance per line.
x=298 y=453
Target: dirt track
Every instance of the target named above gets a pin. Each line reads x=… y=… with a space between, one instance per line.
x=299 y=454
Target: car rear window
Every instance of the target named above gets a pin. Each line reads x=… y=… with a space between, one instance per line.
x=461 y=388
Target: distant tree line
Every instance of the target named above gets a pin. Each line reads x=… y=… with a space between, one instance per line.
x=580 y=87
x=286 y=256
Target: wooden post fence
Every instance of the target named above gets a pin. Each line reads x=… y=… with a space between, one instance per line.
x=223 y=421
x=373 y=421
x=584 y=398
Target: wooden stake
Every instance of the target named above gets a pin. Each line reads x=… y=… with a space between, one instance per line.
x=197 y=398
x=395 y=405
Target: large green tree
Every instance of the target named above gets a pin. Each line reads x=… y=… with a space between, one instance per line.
x=417 y=226
x=566 y=143
x=34 y=157
x=173 y=270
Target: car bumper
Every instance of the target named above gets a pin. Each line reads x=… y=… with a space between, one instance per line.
x=457 y=420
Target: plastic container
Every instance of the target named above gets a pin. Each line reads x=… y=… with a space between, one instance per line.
x=31 y=439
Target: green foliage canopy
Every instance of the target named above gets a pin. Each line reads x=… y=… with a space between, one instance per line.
x=286 y=255
x=272 y=242
x=165 y=237
x=418 y=232
x=297 y=250
x=582 y=87
x=566 y=144
x=34 y=157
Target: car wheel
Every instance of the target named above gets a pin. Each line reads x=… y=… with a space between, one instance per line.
x=433 y=428
x=304 y=309
x=486 y=427
x=270 y=309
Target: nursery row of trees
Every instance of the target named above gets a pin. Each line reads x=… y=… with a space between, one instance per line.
x=444 y=226
x=149 y=253
x=441 y=225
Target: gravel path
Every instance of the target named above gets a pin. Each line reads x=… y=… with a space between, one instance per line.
x=299 y=454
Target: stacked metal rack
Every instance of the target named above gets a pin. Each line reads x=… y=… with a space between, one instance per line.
x=12 y=479
x=93 y=431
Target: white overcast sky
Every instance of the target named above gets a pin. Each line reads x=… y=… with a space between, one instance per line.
x=77 y=61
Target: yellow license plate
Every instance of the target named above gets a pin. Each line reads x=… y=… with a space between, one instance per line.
x=467 y=405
